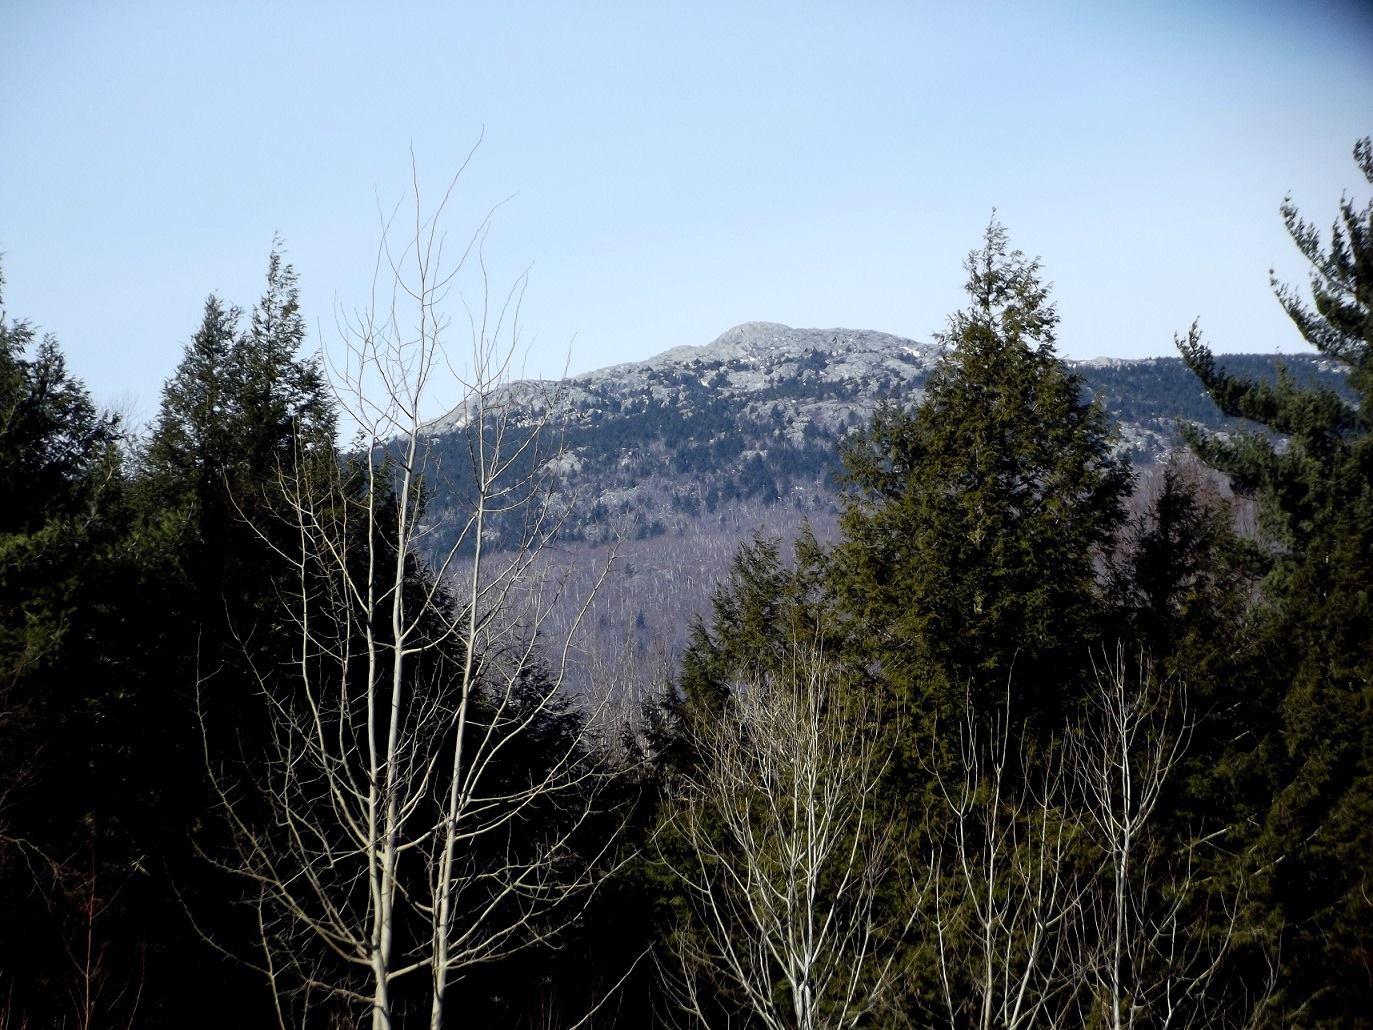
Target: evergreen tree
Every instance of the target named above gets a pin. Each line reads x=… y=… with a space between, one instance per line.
x=1183 y=577
x=1182 y=582
x=243 y=408
x=59 y=473
x=59 y=465
x=743 y=637
x=190 y=441
x=211 y=540
x=973 y=522
x=70 y=795
x=283 y=398
x=232 y=418
x=55 y=440
x=1311 y=772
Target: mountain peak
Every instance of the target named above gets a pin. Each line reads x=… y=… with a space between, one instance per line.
x=776 y=343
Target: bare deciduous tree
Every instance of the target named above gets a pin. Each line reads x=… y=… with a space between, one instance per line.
x=783 y=846
x=1003 y=888
x=1056 y=900
x=1150 y=946
x=427 y=785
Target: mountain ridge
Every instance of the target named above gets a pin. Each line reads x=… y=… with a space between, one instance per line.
x=758 y=415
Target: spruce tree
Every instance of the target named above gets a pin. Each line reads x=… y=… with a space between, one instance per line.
x=242 y=410
x=60 y=475
x=973 y=522
x=755 y=615
x=72 y=802
x=239 y=407
x=1310 y=758
x=283 y=399
x=1182 y=577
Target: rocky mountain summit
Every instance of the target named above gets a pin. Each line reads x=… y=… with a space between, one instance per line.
x=818 y=375
x=756 y=417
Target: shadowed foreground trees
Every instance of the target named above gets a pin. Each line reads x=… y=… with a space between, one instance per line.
x=959 y=611
x=1053 y=891
x=68 y=834
x=1305 y=761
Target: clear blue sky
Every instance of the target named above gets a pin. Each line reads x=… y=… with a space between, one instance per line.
x=676 y=168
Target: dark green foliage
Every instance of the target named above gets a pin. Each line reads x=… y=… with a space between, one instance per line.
x=972 y=535
x=1311 y=768
x=973 y=523
x=123 y=576
x=760 y=615
x=58 y=463
x=133 y=580
x=1182 y=578
x=1159 y=393
x=56 y=443
x=1181 y=584
x=243 y=409
x=234 y=415
x=87 y=713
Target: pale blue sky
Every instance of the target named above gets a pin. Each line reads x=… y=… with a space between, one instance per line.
x=676 y=169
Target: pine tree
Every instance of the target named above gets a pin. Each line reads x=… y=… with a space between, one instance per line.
x=243 y=408
x=59 y=468
x=282 y=397
x=1182 y=578
x=191 y=445
x=759 y=617
x=974 y=522
x=210 y=534
x=69 y=799
x=241 y=402
x=233 y=416
x=746 y=632
x=1181 y=583
x=54 y=438
x=1312 y=767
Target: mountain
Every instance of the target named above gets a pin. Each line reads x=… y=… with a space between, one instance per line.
x=755 y=418
x=674 y=461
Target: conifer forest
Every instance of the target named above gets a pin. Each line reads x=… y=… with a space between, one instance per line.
x=352 y=688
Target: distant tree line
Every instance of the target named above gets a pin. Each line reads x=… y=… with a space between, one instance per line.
x=1035 y=741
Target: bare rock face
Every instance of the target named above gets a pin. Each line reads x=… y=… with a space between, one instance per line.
x=816 y=375
x=811 y=376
